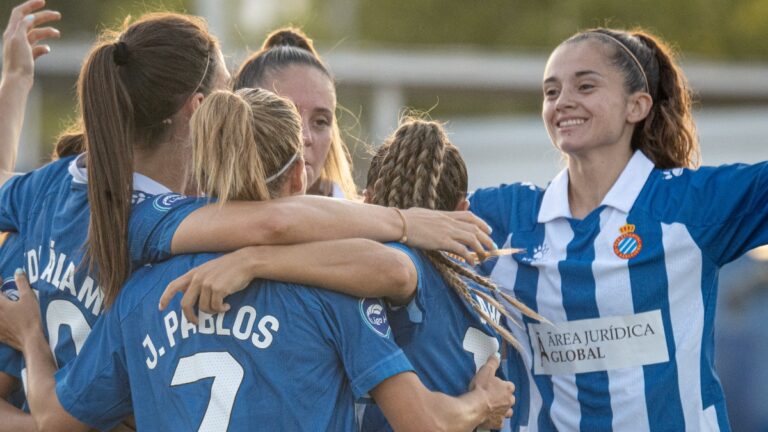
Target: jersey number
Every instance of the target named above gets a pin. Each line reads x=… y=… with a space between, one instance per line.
x=227 y=376
x=481 y=346
x=64 y=313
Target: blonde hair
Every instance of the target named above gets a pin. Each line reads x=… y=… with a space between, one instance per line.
x=419 y=167
x=242 y=138
x=283 y=48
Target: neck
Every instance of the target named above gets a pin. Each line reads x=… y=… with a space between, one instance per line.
x=166 y=163
x=591 y=176
x=322 y=188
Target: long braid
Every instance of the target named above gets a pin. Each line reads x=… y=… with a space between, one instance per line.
x=419 y=167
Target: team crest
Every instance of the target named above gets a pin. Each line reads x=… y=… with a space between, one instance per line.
x=375 y=316
x=628 y=244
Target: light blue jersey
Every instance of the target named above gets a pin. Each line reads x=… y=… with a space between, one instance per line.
x=11 y=360
x=442 y=335
x=49 y=209
x=631 y=289
x=283 y=358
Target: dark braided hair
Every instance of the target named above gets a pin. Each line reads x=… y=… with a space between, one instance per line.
x=419 y=167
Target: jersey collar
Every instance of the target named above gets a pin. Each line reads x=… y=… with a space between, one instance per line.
x=622 y=195
x=141 y=183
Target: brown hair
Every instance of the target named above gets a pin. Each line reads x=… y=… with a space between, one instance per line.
x=419 y=167
x=70 y=142
x=668 y=134
x=130 y=85
x=240 y=140
x=284 y=48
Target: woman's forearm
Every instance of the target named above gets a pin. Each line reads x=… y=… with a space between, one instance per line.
x=358 y=267
x=234 y=225
x=291 y=220
x=44 y=404
x=14 y=91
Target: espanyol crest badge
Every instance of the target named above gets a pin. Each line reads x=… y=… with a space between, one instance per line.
x=375 y=316
x=628 y=244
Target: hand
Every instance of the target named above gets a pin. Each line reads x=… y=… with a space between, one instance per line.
x=206 y=286
x=19 y=319
x=457 y=232
x=21 y=37
x=499 y=394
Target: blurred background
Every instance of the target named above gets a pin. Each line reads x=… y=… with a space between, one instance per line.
x=477 y=65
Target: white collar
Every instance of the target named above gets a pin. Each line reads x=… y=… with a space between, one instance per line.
x=621 y=196
x=141 y=183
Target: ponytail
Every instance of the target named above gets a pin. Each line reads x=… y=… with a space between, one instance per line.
x=107 y=115
x=130 y=86
x=668 y=135
x=226 y=160
x=244 y=143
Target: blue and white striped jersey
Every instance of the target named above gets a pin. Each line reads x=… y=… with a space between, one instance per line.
x=631 y=289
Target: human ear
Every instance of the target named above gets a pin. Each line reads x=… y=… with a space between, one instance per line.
x=298 y=178
x=463 y=205
x=639 y=105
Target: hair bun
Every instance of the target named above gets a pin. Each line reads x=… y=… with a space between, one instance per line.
x=289 y=36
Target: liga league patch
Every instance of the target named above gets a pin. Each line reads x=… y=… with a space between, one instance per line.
x=165 y=202
x=9 y=288
x=375 y=316
x=628 y=244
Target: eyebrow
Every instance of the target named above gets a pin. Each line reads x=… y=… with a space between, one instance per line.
x=578 y=74
x=325 y=111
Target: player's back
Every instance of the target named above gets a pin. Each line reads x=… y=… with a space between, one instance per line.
x=443 y=337
x=284 y=357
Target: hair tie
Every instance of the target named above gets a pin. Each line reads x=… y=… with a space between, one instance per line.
x=121 y=54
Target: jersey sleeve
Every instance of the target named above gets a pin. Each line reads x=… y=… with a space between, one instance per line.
x=20 y=194
x=725 y=208
x=493 y=207
x=360 y=331
x=498 y=206
x=415 y=307
x=94 y=388
x=154 y=222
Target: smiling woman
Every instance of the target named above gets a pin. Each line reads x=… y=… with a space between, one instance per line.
x=625 y=244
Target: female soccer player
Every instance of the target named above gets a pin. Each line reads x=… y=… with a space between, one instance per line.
x=288 y=65
x=446 y=327
x=137 y=91
x=305 y=352
x=624 y=245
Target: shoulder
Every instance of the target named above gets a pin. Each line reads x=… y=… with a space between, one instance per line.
x=508 y=207
x=512 y=193
x=44 y=176
x=147 y=282
x=708 y=194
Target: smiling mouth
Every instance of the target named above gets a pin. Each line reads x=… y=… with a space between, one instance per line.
x=570 y=122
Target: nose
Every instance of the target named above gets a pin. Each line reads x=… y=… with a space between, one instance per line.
x=306 y=133
x=564 y=100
